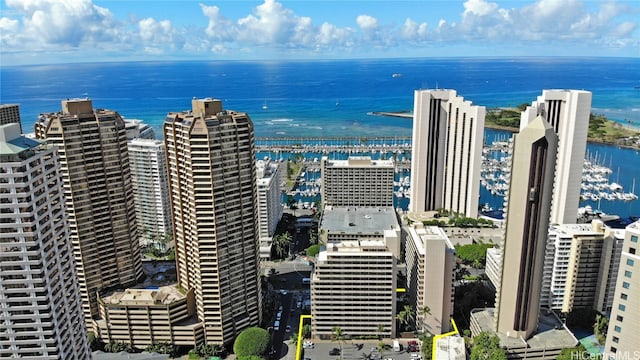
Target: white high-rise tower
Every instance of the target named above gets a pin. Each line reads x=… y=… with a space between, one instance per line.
x=446 y=155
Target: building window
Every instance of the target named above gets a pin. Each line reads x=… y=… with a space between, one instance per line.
x=617 y=329
x=627 y=274
x=621 y=307
x=623 y=296
x=613 y=350
x=619 y=318
x=630 y=262
x=625 y=284
x=632 y=251
x=634 y=238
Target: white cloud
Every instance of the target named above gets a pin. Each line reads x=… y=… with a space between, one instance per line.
x=75 y=25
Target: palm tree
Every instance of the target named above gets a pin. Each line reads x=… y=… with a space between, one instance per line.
x=406 y=316
x=338 y=336
x=380 y=331
x=422 y=312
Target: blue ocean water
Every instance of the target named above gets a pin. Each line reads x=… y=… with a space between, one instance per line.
x=333 y=98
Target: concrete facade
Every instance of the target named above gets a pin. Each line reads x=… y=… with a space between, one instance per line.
x=623 y=335
x=567 y=111
x=527 y=222
x=212 y=182
x=92 y=146
x=447 y=152
x=579 y=272
x=40 y=308
x=270 y=209
x=430 y=259
x=150 y=189
x=358 y=181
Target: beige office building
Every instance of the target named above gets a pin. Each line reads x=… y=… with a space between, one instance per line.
x=357 y=181
x=40 y=308
x=623 y=336
x=527 y=222
x=567 y=111
x=92 y=145
x=353 y=284
x=212 y=182
x=446 y=154
x=430 y=259
x=150 y=191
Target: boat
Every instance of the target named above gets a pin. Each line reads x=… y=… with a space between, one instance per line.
x=396 y=75
x=264 y=106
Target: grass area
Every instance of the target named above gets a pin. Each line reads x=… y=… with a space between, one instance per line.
x=293 y=169
x=601 y=129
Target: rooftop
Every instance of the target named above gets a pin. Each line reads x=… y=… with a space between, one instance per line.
x=12 y=142
x=551 y=332
x=163 y=295
x=359 y=161
x=359 y=220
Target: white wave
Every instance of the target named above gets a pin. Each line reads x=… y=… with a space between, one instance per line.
x=282 y=120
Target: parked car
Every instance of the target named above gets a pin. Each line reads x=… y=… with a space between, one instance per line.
x=334 y=351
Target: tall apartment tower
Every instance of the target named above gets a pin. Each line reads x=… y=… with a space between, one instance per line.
x=92 y=145
x=148 y=165
x=446 y=155
x=623 y=335
x=528 y=205
x=212 y=182
x=357 y=181
x=268 y=174
x=10 y=114
x=40 y=307
x=568 y=113
x=430 y=258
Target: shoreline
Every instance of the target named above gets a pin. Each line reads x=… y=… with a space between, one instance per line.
x=409 y=115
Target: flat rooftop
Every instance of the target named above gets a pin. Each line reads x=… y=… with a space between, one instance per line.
x=163 y=295
x=551 y=332
x=358 y=220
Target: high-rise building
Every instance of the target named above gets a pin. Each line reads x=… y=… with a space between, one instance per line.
x=430 y=259
x=446 y=155
x=148 y=165
x=623 y=335
x=137 y=129
x=524 y=329
x=92 y=145
x=527 y=221
x=268 y=174
x=40 y=308
x=580 y=267
x=567 y=111
x=10 y=114
x=353 y=285
x=212 y=182
x=357 y=181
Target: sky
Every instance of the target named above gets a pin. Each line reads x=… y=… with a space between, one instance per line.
x=67 y=31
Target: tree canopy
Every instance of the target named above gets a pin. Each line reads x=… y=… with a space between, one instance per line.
x=487 y=347
x=252 y=341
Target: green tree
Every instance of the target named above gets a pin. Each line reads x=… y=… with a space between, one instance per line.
x=427 y=346
x=338 y=336
x=600 y=328
x=251 y=341
x=294 y=338
x=313 y=250
x=250 y=357
x=306 y=331
x=577 y=352
x=406 y=317
x=487 y=347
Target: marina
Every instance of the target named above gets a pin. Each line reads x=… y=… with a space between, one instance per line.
x=597 y=186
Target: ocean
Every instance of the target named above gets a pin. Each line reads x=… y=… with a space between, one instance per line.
x=336 y=98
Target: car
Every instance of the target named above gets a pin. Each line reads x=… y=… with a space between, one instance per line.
x=307 y=344
x=283 y=292
x=334 y=351
x=288 y=328
x=279 y=315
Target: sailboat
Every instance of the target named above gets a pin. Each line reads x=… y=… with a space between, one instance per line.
x=264 y=106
